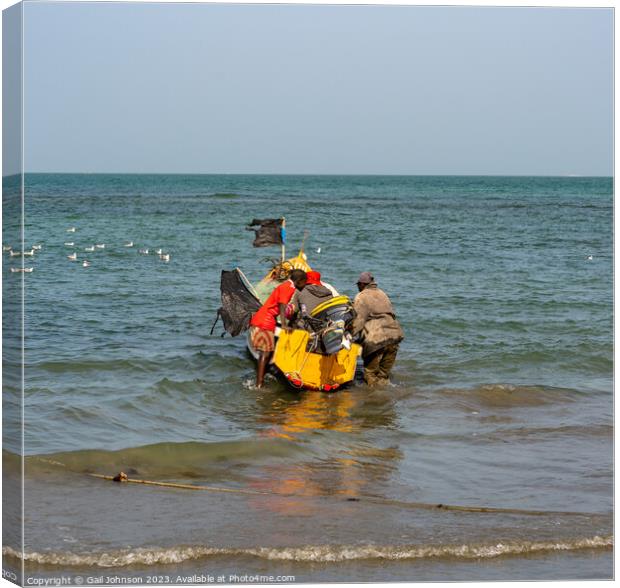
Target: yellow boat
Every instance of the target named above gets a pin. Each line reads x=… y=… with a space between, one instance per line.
x=311 y=370
x=297 y=355
x=302 y=357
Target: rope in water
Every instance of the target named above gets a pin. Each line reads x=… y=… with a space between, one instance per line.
x=122 y=478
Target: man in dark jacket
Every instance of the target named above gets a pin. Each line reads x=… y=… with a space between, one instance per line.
x=378 y=329
x=314 y=293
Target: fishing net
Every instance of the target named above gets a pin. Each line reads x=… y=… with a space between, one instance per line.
x=238 y=303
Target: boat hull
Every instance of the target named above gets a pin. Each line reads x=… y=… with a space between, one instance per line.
x=306 y=370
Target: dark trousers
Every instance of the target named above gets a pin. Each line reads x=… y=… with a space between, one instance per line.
x=377 y=365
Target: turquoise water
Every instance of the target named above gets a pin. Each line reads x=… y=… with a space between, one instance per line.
x=501 y=395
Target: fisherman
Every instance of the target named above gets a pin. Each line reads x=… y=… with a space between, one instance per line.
x=263 y=322
x=378 y=329
x=328 y=286
x=306 y=300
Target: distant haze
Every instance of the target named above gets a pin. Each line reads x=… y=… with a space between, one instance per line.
x=194 y=88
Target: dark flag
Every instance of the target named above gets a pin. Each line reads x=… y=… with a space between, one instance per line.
x=269 y=232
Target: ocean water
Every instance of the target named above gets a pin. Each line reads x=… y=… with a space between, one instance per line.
x=501 y=394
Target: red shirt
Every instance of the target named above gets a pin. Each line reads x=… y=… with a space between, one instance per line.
x=265 y=316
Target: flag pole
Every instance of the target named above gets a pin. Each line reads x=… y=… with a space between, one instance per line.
x=303 y=243
x=283 y=233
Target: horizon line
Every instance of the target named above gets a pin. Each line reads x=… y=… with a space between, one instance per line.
x=498 y=175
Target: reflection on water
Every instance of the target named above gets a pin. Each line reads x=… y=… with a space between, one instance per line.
x=348 y=411
x=312 y=410
x=339 y=425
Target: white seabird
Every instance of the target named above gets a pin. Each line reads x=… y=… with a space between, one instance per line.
x=69 y=244
x=71 y=230
x=91 y=248
x=86 y=263
x=165 y=257
x=100 y=246
x=130 y=244
x=37 y=247
x=6 y=248
x=159 y=251
x=72 y=257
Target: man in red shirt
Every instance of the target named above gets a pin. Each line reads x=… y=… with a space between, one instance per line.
x=263 y=323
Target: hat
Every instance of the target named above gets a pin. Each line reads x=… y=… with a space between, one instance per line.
x=365 y=278
x=314 y=278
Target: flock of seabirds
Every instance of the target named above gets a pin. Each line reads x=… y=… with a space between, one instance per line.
x=163 y=256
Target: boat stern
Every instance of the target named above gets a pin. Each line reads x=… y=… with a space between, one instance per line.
x=315 y=371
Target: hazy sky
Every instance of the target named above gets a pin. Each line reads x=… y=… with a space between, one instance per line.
x=317 y=89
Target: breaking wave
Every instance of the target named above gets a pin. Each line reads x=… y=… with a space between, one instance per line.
x=310 y=553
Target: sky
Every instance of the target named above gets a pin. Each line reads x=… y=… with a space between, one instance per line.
x=196 y=88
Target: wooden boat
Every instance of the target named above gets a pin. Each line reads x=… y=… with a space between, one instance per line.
x=301 y=357
x=305 y=369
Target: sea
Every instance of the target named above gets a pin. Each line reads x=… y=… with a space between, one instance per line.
x=489 y=456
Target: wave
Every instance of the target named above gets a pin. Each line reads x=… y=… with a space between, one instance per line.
x=523 y=434
x=310 y=553
x=188 y=459
x=509 y=395
x=95 y=365
x=214 y=361
x=225 y=195
x=570 y=431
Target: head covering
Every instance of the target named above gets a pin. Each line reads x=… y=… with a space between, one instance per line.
x=314 y=278
x=365 y=278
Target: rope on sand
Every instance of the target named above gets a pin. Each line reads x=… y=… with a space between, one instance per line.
x=123 y=478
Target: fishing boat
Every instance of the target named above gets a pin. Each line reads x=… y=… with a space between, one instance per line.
x=321 y=358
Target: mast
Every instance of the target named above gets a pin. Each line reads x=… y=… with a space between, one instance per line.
x=283 y=234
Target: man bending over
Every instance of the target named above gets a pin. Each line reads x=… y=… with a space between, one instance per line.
x=263 y=323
